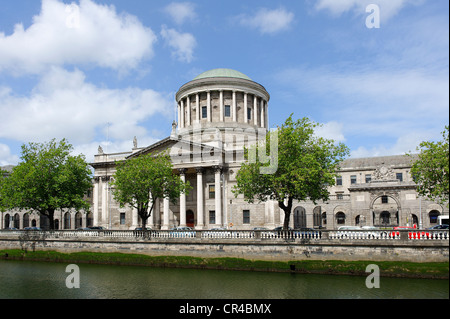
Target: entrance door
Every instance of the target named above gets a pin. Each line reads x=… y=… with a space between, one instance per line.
x=190 y=218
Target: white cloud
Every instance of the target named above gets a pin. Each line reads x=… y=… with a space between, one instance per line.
x=69 y=34
x=181 y=11
x=388 y=8
x=6 y=158
x=65 y=105
x=332 y=131
x=182 y=44
x=268 y=21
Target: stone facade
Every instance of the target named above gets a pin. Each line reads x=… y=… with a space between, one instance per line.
x=220 y=112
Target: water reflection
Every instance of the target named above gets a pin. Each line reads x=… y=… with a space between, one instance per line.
x=48 y=280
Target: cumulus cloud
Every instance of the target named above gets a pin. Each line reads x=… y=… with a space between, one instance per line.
x=65 y=105
x=268 y=21
x=70 y=34
x=182 y=44
x=181 y=11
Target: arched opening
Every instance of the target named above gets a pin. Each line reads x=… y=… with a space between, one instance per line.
x=89 y=220
x=16 y=221
x=317 y=217
x=340 y=218
x=299 y=217
x=385 y=218
x=7 y=220
x=26 y=220
x=433 y=215
x=67 y=221
x=78 y=220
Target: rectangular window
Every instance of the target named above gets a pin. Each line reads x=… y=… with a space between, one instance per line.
x=339 y=196
x=246 y=216
x=204 y=112
x=227 y=111
x=399 y=176
x=353 y=179
x=212 y=216
x=339 y=180
x=384 y=199
x=368 y=178
x=249 y=114
x=122 y=218
x=212 y=191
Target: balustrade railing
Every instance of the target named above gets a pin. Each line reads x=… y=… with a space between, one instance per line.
x=313 y=235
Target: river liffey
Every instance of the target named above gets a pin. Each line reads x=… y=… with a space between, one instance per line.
x=41 y=280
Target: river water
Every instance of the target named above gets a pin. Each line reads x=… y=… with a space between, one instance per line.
x=40 y=280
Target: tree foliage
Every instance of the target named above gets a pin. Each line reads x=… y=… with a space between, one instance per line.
x=48 y=179
x=307 y=166
x=140 y=181
x=430 y=170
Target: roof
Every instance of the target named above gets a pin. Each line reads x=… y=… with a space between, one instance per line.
x=373 y=162
x=222 y=73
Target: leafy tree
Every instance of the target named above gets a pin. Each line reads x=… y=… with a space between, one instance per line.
x=48 y=179
x=430 y=170
x=140 y=181
x=307 y=166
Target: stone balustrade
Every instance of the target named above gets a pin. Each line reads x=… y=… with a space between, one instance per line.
x=263 y=235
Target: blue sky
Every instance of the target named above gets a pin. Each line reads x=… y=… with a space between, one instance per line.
x=69 y=68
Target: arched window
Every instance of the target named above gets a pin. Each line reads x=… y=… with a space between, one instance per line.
x=78 y=220
x=317 y=218
x=67 y=221
x=7 y=220
x=433 y=216
x=299 y=217
x=26 y=220
x=340 y=218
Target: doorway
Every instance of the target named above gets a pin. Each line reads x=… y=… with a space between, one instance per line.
x=190 y=218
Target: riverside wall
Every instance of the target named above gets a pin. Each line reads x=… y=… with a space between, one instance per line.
x=280 y=246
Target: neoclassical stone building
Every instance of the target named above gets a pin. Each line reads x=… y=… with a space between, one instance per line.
x=219 y=112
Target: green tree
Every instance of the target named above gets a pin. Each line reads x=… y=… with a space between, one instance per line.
x=307 y=166
x=140 y=181
x=430 y=170
x=48 y=179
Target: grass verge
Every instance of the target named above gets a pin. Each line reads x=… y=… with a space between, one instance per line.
x=332 y=267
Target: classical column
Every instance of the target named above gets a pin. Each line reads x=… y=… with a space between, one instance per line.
x=197 y=115
x=183 y=199
x=200 y=213
x=217 y=195
x=208 y=105
x=245 y=108
x=234 y=107
x=105 y=201
x=166 y=214
x=179 y=115
x=134 y=218
x=95 y=200
x=221 y=105
x=182 y=114
x=255 y=110
x=188 y=105
x=262 y=113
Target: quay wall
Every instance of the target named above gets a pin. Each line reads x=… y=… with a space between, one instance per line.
x=327 y=246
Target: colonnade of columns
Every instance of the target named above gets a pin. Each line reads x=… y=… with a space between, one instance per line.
x=102 y=200
x=258 y=109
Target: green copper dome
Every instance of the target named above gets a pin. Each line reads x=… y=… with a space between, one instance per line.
x=222 y=73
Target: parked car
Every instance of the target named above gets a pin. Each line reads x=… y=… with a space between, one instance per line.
x=182 y=231
x=444 y=226
x=32 y=228
x=96 y=228
x=349 y=228
x=141 y=228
